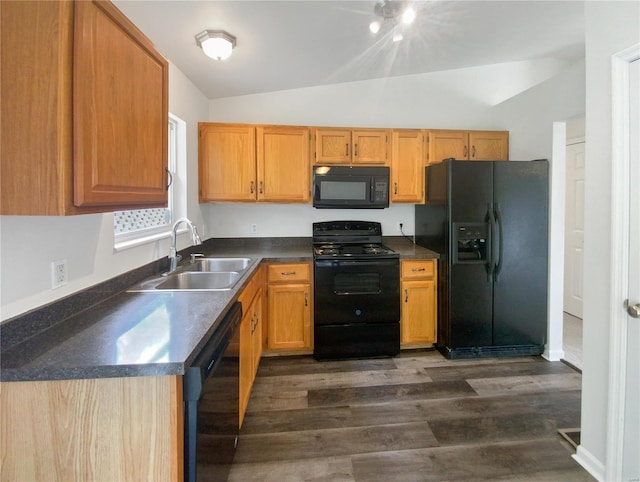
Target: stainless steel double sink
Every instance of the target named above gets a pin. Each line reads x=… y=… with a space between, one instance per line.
x=202 y=274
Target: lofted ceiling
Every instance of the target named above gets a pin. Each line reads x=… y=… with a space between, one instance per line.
x=285 y=45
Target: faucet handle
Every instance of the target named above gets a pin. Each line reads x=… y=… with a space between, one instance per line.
x=196 y=255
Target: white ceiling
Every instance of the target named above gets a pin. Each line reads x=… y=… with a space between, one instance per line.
x=291 y=44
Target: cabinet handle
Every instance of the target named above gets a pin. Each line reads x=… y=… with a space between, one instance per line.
x=306 y=299
x=466 y=151
x=406 y=295
x=346 y=149
x=417 y=269
x=251 y=187
x=356 y=152
x=395 y=188
x=260 y=188
x=473 y=151
x=170 y=178
x=287 y=273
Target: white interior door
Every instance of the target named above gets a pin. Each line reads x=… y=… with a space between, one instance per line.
x=631 y=437
x=574 y=229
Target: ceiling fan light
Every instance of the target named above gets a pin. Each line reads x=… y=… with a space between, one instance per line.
x=374 y=26
x=408 y=16
x=216 y=44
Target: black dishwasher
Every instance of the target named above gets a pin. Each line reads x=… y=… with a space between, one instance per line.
x=211 y=404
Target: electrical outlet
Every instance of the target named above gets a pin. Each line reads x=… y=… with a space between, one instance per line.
x=254 y=229
x=59 y=274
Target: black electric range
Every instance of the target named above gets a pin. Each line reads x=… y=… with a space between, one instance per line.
x=357 y=291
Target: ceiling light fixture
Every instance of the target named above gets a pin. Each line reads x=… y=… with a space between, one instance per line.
x=392 y=11
x=216 y=44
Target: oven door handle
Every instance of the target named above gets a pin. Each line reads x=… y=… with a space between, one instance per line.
x=334 y=263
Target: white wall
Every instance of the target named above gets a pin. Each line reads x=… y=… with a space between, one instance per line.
x=602 y=42
x=28 y=244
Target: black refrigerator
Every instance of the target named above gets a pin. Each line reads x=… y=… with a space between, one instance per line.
x=488 y=220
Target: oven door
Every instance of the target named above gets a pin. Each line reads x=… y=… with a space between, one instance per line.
x=356 y=291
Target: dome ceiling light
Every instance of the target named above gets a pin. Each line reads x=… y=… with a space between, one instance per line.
x=394 y=12
x=216 y=44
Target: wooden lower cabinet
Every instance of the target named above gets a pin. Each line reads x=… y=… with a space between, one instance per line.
x=418 y=304
x=92 y=429
x=290 y=307
x=250 y=338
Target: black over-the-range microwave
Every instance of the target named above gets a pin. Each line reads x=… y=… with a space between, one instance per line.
x=345 y=187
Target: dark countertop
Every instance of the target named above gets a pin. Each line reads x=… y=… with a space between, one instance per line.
x=150 y=334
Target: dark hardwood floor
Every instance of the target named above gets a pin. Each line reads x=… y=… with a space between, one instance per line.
x=416 y=417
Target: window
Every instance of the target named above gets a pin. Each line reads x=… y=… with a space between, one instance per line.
x=139 y=226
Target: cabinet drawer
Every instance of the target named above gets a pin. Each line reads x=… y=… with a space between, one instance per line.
x=418 y=268
x=285 y=273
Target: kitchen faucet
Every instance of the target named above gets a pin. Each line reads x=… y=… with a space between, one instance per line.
x=174 y=257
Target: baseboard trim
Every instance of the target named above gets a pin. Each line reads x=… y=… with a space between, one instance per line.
x=589 y=463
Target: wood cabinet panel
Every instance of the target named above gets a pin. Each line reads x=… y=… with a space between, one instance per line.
x=369 y=146
x=488 y=145
x=468 y=145
x=333 y=146
x=444 y=144
x=407 y=166
x=250 y=337
x=284 y=170
x=418 y=311
x=80 y=133
x=289 y=316
x=418 y=268
x=289 y=307
x=346 y=146
x=288 y=272
x=120 y=110
x=418 y=303
x=93 y=429
x=227 y=168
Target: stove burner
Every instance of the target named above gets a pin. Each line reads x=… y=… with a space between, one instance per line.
x=349 y=239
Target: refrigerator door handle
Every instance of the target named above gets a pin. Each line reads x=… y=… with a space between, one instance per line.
x=500 y=243
x=490 y=257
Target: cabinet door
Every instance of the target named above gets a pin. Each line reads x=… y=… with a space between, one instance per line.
x=445 y=144
x=369 y=146
x=227 y=167
x=283 y=164
x=407 y=166
x=246 y=363
x=120 y=111
x=289 y=316
x=418 y=311
x=333 y=146
x=256 y=334
x=488 y=145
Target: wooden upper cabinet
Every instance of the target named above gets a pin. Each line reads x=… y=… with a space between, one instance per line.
x=120 y=111
x=445 y=144
x=369 y=146
x=333 y=146
x=407 y=166
x=86 y=111
x=248 y=163
x=468 y=145
x=488 y=145
x=345 y=146
x=227 y=167
x=284 y=170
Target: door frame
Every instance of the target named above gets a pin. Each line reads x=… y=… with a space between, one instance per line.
x=618 y=276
